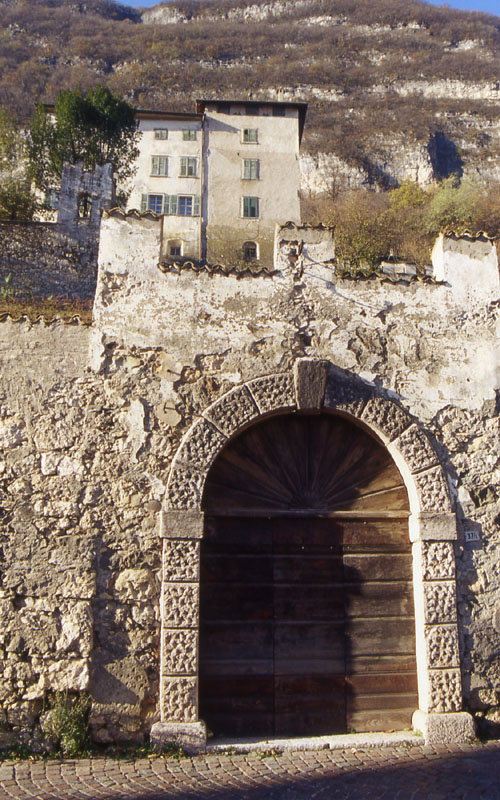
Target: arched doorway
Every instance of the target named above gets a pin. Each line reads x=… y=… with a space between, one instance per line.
x=306 y=602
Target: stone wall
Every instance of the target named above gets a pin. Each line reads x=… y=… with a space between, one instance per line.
x=86 y=454
x=45 y=258
x=42 y=259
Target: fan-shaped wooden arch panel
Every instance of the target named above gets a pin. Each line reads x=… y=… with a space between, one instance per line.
x=318 y=463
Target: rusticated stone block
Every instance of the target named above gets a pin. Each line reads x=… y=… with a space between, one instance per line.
x=182 y=524
x=442 y=646
x=192 y=736
x=310 y=382
x=440 y=602
x=445 y=690
x=233 y=410
x=346 y=395
x=179 y=700
x=180 y=605
x=273 y=392
x=201 y=444
x=386 y=417
x=433 y=491
x=438 y=561
x=416 y=449
x=427 y=526
x=181 y=560
x=184 y=489
x=180 y=652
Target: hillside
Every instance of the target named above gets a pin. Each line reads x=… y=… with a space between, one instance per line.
x=397 y=88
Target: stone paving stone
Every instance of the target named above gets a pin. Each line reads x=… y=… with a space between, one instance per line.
x=418 y=773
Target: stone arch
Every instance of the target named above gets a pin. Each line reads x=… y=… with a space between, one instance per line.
x=313 y=385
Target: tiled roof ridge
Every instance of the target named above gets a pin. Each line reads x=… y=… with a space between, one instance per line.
x=75 y=319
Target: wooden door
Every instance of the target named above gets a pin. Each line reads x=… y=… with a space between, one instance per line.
x=306 y=626
x=306 y=594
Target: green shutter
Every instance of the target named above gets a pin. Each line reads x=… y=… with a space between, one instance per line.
x=170 y=204
x=144 y=203
x=196 y=205
x=184 y=163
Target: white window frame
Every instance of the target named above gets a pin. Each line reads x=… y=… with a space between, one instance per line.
x=159 y=166
x=251 y=169
x=150 y=196
x=247 y=202
x=188 y=167
x=249 y=135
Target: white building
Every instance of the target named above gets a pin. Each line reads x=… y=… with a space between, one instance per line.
x=222 y=177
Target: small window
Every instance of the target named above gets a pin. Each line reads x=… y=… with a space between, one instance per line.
x=155 y=203
x=278 y=111
x=189 y=135
x=159 y=166
x=250 y=206
x=161 y=133
x=188 y=167
x=249 y=135
x=174 y=247
x=84 y=206
x=250 y=169
x=250 y=251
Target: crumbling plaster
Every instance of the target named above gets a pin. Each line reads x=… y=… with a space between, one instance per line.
x=87 y=443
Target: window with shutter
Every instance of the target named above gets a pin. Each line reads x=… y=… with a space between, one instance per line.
x=159 y=166
x=155 y=203
x=188 y=167
x=249 y=135
x=250 y=207
x=250 y=169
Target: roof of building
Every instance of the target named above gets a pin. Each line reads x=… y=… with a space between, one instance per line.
x=180 y=115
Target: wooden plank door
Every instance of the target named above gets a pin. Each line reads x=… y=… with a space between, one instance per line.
x=272 y=655
x=307 y=626
x=237 y=627
x=381 y=670
x=309 y=646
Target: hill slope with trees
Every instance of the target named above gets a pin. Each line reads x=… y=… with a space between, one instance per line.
x=397 y=88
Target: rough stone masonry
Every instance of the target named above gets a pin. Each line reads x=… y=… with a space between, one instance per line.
x=178 y=361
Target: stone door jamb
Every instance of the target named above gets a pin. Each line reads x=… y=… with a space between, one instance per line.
x=313 y=386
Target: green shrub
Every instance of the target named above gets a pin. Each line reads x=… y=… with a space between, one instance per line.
x=66 y=724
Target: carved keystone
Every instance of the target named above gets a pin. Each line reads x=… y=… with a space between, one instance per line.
x=310 y=383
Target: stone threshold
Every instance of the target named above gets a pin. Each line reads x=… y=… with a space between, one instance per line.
x=347 y=741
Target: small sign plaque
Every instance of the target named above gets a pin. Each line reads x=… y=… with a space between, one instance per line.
x=472 y=536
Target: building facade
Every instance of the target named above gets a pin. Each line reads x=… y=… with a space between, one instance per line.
x=221 y=177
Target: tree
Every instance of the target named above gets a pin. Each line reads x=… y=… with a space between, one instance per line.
x=93 y=129
x=17 y=201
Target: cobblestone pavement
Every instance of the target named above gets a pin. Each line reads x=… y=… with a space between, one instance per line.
x=469 y=772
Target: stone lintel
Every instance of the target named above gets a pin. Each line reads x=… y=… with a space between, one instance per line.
x=191 y=736
x=181 y=524
x=310 y=383
x=428 y=526
x=456 y=726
